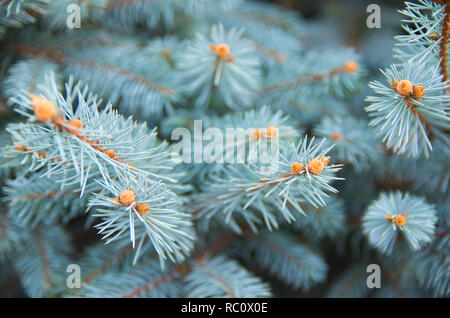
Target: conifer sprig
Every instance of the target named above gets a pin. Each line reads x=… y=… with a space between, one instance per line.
x=408 y=110
x=133 y=210
x=302 y=174
x=223 y=64
x=396 y=213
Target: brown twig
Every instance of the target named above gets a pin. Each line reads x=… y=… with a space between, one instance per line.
x=56 y=56
x=44 y=258
x=155 y=283
x=443 y=53
x=305 y=79
x=123 y=3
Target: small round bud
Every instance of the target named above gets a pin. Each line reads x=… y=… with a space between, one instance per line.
x=127 y=197
x=142 y=208
x=315 y=166
x=388 y=217
x=111 y=154
x=351 y=66
x=115 y=200
x=336 y=136
x=166 y=54
x=44 y=110
x=394 y=84
x=297 y=167
x=223 y=51
x=418 y=91
x=400 y=220
x=21 y=148
x=324 y=160
x=77 y=124
x=404 y=87
x=231 y=58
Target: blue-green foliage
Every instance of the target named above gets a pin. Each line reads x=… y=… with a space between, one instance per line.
x=323 y=222
x=235 y=79
x=118 y=221
x=120 y=75
x=285 y=258
x=249 y=122
x=423 y=20
x=418 y=229
x=262 y=192
x=42 y=262
x=354 y=143
x=27 y=75
x=89 y=11
x=376 y=191
x=10 y=233
x=75 y=163
x=309 y=75
x=38 y=200
x=352 y=284
x=281 y=28
x=127 y=15
x=403 y=129
x=144 y=280
x=221 y=277
x=15 y=13
x=431 y=267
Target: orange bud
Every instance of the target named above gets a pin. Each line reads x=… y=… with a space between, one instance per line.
x=111 y=154
x=115 y=200
x=77 y=124
x=418 y=92
x=166 y=54
x=213 y=47
x=21 y=148
x=231 y=59
x=388 y=217
x=404 y=87
x=393 y=85
x=351 y=66
x=434 y=36
x=315 y=166
x=41 y=154
x=44 y=110
x=142 y=208
x=324 y=160
x=58 y=121
x=297 y=167
x=127 y=197
x=336 y=136
x=400 y=220
x=223 y=51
